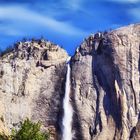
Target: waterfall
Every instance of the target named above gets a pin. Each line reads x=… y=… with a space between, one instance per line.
x=68 y=111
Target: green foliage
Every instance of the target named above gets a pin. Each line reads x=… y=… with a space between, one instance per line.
x=28 y=131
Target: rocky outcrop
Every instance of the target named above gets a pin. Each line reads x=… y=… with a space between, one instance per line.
x=105 y=84
x=135 y=132
x=32 y=80
x=105 y=90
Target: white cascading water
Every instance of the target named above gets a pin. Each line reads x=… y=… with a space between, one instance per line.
x=68 y=111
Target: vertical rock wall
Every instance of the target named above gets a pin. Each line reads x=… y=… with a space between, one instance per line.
x=105 y=78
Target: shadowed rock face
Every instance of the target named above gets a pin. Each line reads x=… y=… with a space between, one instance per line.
x=105 y=90
x=135 y=132
x=105 y=78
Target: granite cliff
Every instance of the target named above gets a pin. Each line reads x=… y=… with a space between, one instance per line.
x=105 y=86
x=32 y=84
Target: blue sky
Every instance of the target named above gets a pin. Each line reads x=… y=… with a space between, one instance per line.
x=65 y=22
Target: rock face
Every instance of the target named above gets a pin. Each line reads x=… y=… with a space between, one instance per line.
x=32 y=80
x=105 y=86
x=135 y=133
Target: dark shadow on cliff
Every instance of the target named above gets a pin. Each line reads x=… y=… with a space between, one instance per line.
x=105 y=72
x=134 y=129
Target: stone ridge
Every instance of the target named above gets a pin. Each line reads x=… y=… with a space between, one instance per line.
x=94 y=40
x=37 y=50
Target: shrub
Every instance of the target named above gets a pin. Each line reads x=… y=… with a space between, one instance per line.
x=27 y=131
